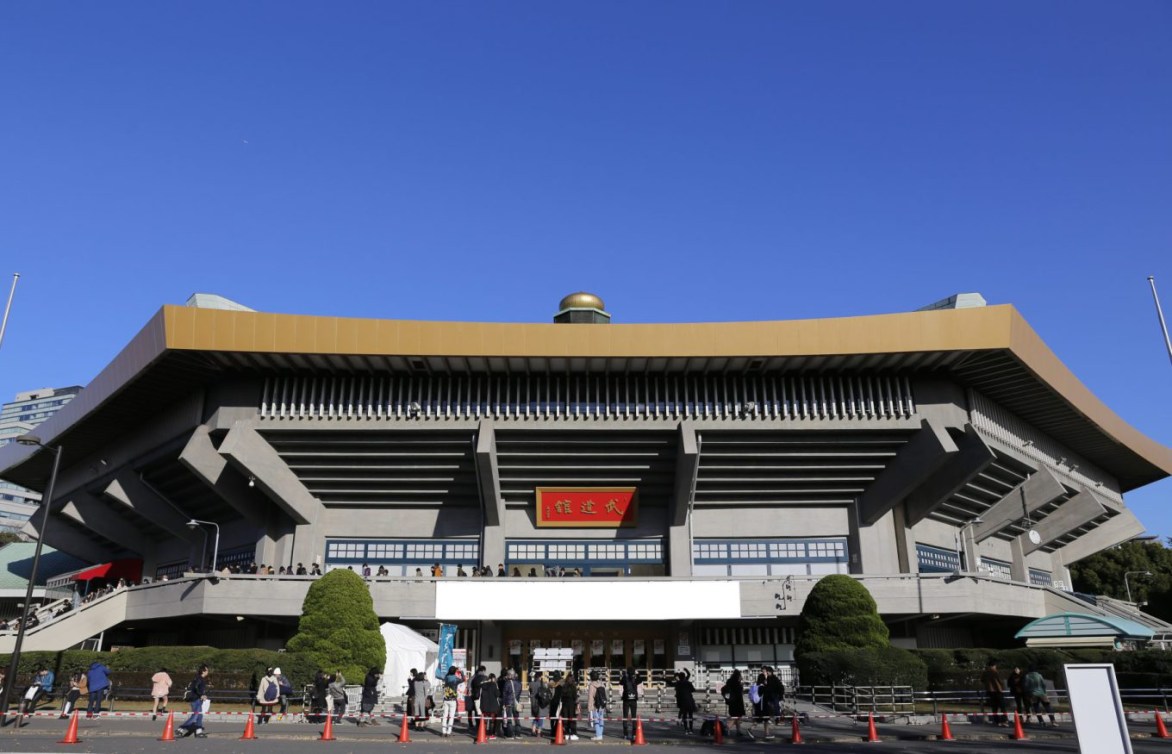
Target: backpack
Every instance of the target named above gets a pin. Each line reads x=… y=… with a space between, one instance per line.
x=271 y=692
x=600 y=697
x=189 y=692
x=755 y=694
x=543 y=696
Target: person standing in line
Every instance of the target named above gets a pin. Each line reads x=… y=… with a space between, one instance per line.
x=1035 y=690
x=336 y=697
x=540 y=697
x=686 y=701
x=1014 y=682
x=629 y=689
x=733 y=692
x=98 y=677
x=422 y=695
x=451 y=700
x=596 y=701
x=511 y=703
x=757 y=699
x=555 y=702
x=470 y=702
x=569 y=705
x=489 y=704
x=197 y=692
x=160 y=689
x=268 y=695
x=994 y=694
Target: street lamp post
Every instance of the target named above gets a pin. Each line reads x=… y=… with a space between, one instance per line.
x=1128 y=586
x=46 y=503
x=194 y=524
x=960 y=553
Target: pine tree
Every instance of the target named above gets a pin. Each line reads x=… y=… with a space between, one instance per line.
x=840 y=614
x=338 y=629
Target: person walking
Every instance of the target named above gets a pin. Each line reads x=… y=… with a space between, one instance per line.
x=596 y=701
x=994 y=694
x=268 y=695
x=540 y=697
x=629 y=688
x=686 y=702
x=160 y=690
x=452 y=682
x=733 y=693
x=370 y=696
x=569 y=705
x=772 y=695
x=98 y=679
x=1034 y=686
x=197 y=693
x=757 y=699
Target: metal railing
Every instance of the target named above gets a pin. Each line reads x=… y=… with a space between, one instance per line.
x=898 y=700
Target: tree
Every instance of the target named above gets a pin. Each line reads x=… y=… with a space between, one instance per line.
x=7 y=537
x=338 y=629
x=1103 y=574
x=840 y=614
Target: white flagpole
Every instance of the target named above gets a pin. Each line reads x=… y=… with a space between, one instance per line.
x=8 y=308
x=1155 y=296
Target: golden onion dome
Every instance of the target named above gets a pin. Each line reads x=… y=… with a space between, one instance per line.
x=582 y=300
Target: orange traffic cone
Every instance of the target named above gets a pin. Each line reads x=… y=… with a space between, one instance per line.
x=717 y=732
x=481 y=736
x=328 y=733
x=169 y=728
x=796 y=736
x=249 y=730
x=639 y=740
x=945 y=731
x=558 y=737
x=1161 y=731
x=1018 y=733
x=404 y=733
x=71 y=731
x=872 y=734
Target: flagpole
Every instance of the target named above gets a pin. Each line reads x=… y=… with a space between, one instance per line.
x=8 y=308
x=1155 y=297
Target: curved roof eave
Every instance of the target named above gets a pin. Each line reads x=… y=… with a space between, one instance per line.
x=177 y=330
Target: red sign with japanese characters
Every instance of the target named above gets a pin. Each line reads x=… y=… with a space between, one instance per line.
x=580 y=507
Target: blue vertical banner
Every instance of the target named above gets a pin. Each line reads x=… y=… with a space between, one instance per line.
x=447 y=642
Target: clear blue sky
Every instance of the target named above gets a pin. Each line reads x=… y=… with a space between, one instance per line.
x=686 y=161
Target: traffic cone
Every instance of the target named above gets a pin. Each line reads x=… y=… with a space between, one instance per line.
x=796 y=736
x=404 y=733
x=1161 y=731
x=249 y=730
x=1018 y=733
x=872 y=734
x=481 y=736
x=168 y=728
x=71 y=731
x=717 y=733
x=558 y=737
x=639 y=740
x=328 y=733
x=945 y=731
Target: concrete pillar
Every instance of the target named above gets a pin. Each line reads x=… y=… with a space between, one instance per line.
x=679 y=538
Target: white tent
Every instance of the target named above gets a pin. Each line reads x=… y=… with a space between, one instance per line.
x=406 y=649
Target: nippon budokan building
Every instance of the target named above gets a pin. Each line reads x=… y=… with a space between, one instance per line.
x=689 y=482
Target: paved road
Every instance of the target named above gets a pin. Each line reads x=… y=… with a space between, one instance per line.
x=138 y=735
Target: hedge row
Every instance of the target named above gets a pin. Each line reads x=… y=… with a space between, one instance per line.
x=232 y=668
x=960 y=669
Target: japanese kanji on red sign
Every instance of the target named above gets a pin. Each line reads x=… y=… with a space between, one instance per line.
x=580 y=507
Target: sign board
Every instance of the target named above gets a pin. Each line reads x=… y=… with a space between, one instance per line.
x=1099 y=721
x=587 y=507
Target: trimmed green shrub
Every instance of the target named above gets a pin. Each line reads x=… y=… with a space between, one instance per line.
x=874 y=666
x=339 y=628
x=839 y=614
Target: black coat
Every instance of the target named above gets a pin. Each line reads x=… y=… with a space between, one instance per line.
x=490 y=699
x=569 y=700
x=734 y=693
